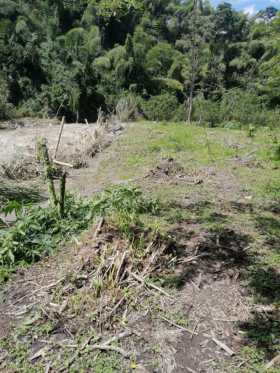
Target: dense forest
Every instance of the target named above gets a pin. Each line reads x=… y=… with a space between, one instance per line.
x=162 y=60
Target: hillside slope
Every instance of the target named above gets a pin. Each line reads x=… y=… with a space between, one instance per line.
x=185 y=279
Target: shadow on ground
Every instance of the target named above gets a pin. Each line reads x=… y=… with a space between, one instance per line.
x=220 y=251
x=263 y=333
x=216 y=253
x=269 y=227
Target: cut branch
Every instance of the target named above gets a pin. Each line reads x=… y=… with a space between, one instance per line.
x=59 y=137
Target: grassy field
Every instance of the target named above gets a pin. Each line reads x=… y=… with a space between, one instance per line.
x=233 y=184
x=216 y=188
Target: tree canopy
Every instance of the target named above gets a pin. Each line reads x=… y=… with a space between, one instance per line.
x=73 y=57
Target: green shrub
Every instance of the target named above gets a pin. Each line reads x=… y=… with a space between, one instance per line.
x=125 y=200
x=235 y=109
x=38 y=231
x=180 y=114
x=161 y=107
x=232 y=125
x=206 y=111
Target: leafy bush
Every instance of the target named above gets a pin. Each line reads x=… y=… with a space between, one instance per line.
x=161 y=107
x=232 y=125
x=38 y=231
x=180 y=114
x=124 y=205
x=206 y=111
x=124 y=200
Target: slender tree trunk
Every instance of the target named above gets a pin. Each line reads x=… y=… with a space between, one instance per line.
x=190 y=108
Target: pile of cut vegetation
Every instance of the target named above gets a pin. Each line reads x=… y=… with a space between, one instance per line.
x=172 y=172
x=78 y=144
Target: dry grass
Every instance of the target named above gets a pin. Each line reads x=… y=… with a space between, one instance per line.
x=21 y=168
x=95 y=287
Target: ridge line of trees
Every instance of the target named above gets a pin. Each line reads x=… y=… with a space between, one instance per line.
x=165 y=59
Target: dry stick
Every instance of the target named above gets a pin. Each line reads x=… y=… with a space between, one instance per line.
x=191 y=370
x=47 y=287
x=119 y=350
x=120 y=266
x=274 y=361
x=118 y=337
x=149 y=284
x=98 y=229
x=104 y=346
x=120 y=302
x=63 y=163
x=194 y=329
x=78 y=353
x=48 y=367
x=222 y=345
x=58 y=110
x=192 y=332
x=59 y=136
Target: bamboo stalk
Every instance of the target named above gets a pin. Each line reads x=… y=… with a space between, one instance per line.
x=43 y=156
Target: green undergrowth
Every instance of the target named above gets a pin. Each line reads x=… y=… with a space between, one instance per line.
x=38 y=232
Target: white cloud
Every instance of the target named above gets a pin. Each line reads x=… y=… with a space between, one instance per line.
x=250 y=10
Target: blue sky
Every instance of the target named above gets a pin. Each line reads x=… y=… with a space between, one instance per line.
x=250 y=6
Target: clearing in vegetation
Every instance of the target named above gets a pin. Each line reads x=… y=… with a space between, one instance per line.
x=177 y=268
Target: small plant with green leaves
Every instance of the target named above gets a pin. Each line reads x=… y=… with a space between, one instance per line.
x=251 y=131
x=38 y=231
x=125 y=204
